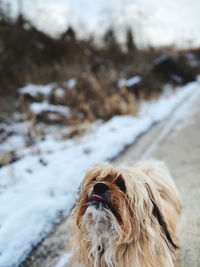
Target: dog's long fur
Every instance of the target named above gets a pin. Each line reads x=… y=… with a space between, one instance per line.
x=137 y=228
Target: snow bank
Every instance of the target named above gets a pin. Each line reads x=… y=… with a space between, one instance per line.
x=38 y=108
x=36 y=190
x=35 y=90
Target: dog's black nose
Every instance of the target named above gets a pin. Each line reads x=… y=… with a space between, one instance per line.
x=100 y=188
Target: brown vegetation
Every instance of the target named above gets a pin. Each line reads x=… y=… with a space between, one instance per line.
x=28 y=55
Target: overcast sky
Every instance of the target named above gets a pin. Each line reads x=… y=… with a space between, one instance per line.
x=155 y=22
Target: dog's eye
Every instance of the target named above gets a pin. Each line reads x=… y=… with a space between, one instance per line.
x=120 y=183
x=94 y=179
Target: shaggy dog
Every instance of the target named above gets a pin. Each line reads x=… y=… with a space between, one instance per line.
x=126 y=217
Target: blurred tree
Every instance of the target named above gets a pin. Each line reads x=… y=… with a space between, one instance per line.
x=1 y=11
x=20 y=19
x=111 y=45
x=5 y=12
x=130 y=44
x=69 y=34
x=8 y=12
x=109 y=38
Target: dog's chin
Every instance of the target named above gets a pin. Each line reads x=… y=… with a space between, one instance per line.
x=98 y=215
x=97 y=210
x=99 y=205
x=104 y=205
x=96 y=218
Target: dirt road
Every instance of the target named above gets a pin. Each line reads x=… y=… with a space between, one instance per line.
x=177 y=142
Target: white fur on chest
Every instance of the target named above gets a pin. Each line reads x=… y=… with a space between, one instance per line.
x=98 y=230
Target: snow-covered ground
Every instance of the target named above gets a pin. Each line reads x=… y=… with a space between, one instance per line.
x=36 y=190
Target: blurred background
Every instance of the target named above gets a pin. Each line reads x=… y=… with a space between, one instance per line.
x=72 y=62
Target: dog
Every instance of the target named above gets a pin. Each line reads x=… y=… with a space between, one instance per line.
x=126 y=217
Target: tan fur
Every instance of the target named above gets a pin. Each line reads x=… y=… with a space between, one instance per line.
x=134 y=237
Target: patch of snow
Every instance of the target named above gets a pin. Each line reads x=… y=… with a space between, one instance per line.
x=167 y=89
x=60 y=92
x=130 y=82
x=35 y=190
x=121 y=83
x=160 y=59
x=134 y=80
x=34 y=90
x=13 y=143
x=19 y=127
x=70 y=84
x=37 y=108
x=17 y=116
x=176 y=78
x=192 y=60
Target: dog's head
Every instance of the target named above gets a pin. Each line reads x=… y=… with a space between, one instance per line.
x=120 y=201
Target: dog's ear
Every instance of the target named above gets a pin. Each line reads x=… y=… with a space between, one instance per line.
x=158 y=214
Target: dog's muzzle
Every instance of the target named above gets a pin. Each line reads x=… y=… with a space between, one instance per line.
x=99 y=195
x=100 y=198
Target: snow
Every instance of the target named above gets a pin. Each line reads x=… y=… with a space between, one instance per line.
x=60 y=92
x=130 y=82
x=176 y=78
x=186 y=110
x=14 y=137
x=36 y=190
x=122 y=82
x=192 y=60
x=16 y=127
x=70 y=84
x=35 y=90
x=46 y=90
x=159 y=60
x=133 y=81
x=38 y=108
x=13 y=142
